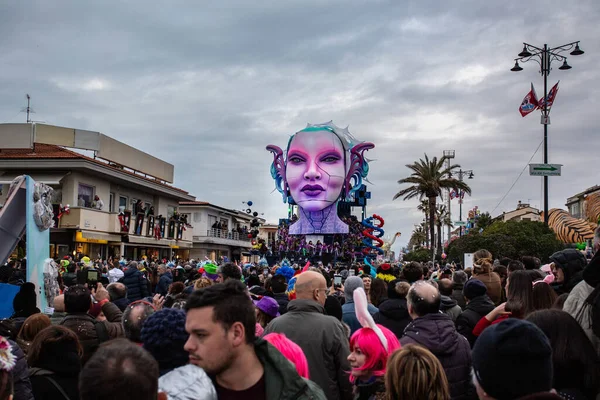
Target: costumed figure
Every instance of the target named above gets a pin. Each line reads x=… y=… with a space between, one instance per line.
x=311 y=248
x=43 y=215
x=372 y=233
x=384 y=271
x=51 y=289
x=321 y=165
x=370 y=348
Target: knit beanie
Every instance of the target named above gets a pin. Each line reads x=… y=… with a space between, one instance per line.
x=164 y=336
x=351 y=284
x=210 y=271
x=474 y=288
x=513 y=359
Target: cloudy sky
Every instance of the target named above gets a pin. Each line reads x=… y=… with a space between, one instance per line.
x=207 y=85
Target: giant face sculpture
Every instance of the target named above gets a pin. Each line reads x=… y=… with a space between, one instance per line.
x=322 y=164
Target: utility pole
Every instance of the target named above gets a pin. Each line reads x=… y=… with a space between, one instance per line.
x=449 y=155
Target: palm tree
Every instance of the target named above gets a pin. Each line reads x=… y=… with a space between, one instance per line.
x=424 y=208
x=484 y=220
x=417 y=238
x=429 y=179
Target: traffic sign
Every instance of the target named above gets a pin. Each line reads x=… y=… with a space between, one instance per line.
x=460 y=223
x=545 y=169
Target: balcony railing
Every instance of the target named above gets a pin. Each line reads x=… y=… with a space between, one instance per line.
x=103 y=221
x=224 y=234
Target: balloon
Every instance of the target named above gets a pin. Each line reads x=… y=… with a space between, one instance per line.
x=249 y=204
x=444 y=256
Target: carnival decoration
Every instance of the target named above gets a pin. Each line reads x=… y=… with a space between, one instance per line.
x=372 y=233
x=321 y=165
x=43 y=215
x=124 y=219
x=63 y=210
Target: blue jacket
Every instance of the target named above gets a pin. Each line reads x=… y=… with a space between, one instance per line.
x=137 y=285
x=349 y=315
x=164 y=282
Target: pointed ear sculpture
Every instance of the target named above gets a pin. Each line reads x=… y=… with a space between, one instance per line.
x=366 y=320
x=278 y=171
x=358 y=168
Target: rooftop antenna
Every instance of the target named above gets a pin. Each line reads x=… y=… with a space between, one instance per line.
x=28 y=109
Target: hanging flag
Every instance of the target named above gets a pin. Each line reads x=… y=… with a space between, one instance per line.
x=529 y=103
x=453 y=195
x=550 y=98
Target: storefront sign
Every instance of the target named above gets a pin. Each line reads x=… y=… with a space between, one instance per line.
x=80 y=239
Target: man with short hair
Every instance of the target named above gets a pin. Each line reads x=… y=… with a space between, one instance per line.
x=229 y=271
x=322 y=338
x=478 y=306
x=118 y=295
x=136 y=282
x=221 y=322
x=436 y=332
x=165 y=280
x=348 y=309
x=134 y=317
x=513 y=360
x=459 y=278
x=412 y=272
x=69 y=278
x=448 y=305
x=90 y=331
x=514 y=265
x=120 y=370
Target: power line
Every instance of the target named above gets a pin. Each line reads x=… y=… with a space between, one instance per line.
x=518 y=177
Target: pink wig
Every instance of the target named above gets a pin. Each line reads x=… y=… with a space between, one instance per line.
x=370 y=345
x=291 y=351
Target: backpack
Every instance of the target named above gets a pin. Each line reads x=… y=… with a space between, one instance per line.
x=48 y=375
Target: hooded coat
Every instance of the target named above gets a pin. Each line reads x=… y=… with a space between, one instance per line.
x=393 y=314
x=476 y=309
x=572 y=262
x=137 y=285
x=437 y=333
x=449 y=307
x=576 y=302
x=164 y=282
x=457 y=294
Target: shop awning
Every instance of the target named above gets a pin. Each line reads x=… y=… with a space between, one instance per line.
x=48 y=178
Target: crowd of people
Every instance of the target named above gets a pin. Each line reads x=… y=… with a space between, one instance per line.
x=504 y=329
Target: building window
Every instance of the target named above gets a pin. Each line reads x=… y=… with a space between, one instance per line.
x=197 y=217
x=575 y=210
x=170 y=211
x=111 y=202
x=85 y=195
x=122 y=203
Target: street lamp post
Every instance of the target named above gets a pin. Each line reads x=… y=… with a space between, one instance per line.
x=449 y=155
x=544 y=57
x=461 y=174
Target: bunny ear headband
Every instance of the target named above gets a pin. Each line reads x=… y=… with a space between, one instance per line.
x=366 y=320
x=548 y=279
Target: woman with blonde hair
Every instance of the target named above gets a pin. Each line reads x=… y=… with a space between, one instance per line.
x=413 y=372
x=482 y=270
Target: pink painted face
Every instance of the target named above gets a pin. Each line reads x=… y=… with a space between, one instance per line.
x=315 y=170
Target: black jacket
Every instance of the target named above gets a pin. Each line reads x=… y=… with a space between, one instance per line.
x=137 y=285
x=572 y=262
x=393 y=314
x=477 y=308
x=283 y=301
x=164 y=282
x=60 y=363
x=437 y=333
